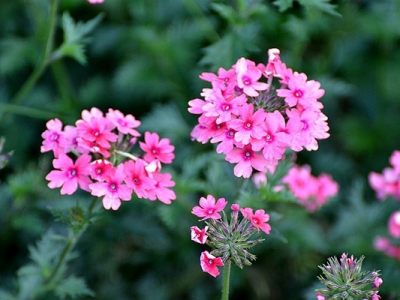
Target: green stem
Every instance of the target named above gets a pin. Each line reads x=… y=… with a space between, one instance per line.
x=31 y=81
x=225 y=287
x=69 y=247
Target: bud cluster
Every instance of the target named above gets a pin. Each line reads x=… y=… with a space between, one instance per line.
x=230 y=240
x=345 y=280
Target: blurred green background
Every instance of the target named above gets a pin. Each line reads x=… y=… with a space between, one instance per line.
x=144 y=58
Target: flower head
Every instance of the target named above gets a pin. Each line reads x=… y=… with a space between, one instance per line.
x=208 y=209
x=259 y=219
x=209 y=263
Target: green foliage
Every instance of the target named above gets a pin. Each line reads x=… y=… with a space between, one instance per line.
x=323 y=5
x=75 y=37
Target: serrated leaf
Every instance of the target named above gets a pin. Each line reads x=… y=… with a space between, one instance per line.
x=323 y=5
x=283 y=4
x=73 y=287
x=75 y=51
x=225 y=11
x=75 y=32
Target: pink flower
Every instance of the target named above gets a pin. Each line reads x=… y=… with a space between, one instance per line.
x=138 y=179
x=96 y=130
x=395 y=161
x=112 y=189
x=124 y=124
x=394 y=225
x=258 y=219
x=100 y=169
x=95 y=1
x=249 y=124
x=71 y=175
x=320 y=296
x=198 y=235
x=246 y=160
x=247 y=77
x=377 y=282
x=297 y=90
x=161 y=189
x=157 y=149
x=53 y=138
x=209 y=263
x=375 y=297
x=381 y=243
x=208 y=209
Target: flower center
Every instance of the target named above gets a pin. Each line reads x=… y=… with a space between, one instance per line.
x=54 y=137
x=96 y=133
x=298 y=93
x=246 y=80
x=154 y=151
x=136 y=181
x=227 y=107
x=247 y=154
x=113 y=187
x=210 y=261
x=210 y=211
x=99 y=171
x=248 y=125
x=72 y=173
x=268 y=138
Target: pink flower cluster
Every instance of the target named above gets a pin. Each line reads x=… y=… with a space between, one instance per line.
x=388 y=183
x=209 y=208
x=254 y=122
x=389 y=246
x=311 y=191
x=104 y=166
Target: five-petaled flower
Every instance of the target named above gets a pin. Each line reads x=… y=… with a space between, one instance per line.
x=208 y=209
x=198 y=235
x=259 y=219
x=209 y=263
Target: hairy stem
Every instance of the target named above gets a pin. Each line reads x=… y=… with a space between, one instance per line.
x=225 y=286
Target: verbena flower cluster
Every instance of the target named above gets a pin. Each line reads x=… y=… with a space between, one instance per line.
x=94 y=155
x=229 y=240
x=345 y=279
x=387 y=185
x=254 y=122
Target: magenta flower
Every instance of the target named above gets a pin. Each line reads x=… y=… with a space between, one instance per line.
x=53 y=138
x=71 y=175
x=100 y=169
x=259 y=219
x=394 y=224
x=138 y=179
x=198 y=235
x=209 y=263
x=157 y=149
x=97 y=130
x=112 y=189
x=208 y=209
x=297 y=89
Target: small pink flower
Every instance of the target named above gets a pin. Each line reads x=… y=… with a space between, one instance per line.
x=209 y=263
x=125 y=124
x=377 y=282
x=53 y=138
x=198 y=235
x=161 y=189
x=112 y=189
x=157 y=149
x=97 y=130
x=208 y=209
x=258 y=219
x=394 y=224
x=246 y=160
x=395 y=161
x=95 y=1
x=375 y=297
x=247 y=77
x=235 y=207
x=381 y=243
x=138 y=179
x=100 y=169
x=320 y=296
x=71 y=175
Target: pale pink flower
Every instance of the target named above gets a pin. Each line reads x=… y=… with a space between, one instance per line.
x=249 y=124
x=138 y=179
x=125 y=124
x=259 y=219
x=53 y=138
x=196 y=106
x=113 y=189
x=246 y=160
x=208 y=209
x=209 y=263
x=198 y=235
x=157 y=149
x=394 y=224
x=71 y=175
x=247 y=77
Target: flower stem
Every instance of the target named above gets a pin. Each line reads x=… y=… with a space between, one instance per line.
x=31 y=81
x=225 y=287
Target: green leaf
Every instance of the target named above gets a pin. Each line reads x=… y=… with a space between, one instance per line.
x=75 y=38
x=283 y=4
x=225 y=11
x=323 y=5
x=73 y=287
